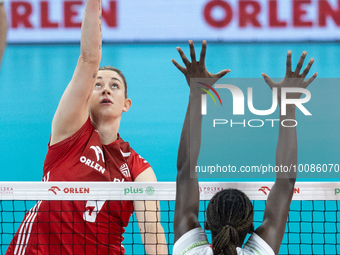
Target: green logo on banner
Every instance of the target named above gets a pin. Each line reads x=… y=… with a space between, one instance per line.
x=150 y=190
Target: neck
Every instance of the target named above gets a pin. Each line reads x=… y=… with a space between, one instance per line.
x=107 y=128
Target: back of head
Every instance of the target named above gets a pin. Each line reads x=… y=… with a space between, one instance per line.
x=229 y=216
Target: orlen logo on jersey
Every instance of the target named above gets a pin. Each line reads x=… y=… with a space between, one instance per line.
x=56 y=190
x=266 y=190
x=99 y=155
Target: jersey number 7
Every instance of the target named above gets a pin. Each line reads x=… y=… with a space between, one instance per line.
x=92 y=209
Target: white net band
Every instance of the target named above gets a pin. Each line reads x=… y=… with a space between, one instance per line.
x=154 y=191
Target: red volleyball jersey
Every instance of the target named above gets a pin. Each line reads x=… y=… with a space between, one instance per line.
x=81 y=227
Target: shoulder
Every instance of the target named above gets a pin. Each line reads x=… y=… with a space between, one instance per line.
x=256 y=245
x=193 y=242
x=83 y=133
x=139 y=168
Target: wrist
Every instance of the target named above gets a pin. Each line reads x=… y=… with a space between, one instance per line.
x=290 y=111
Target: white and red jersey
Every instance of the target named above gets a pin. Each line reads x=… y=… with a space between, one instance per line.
x=81 y=227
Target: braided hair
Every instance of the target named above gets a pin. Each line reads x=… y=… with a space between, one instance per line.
x=229 y=215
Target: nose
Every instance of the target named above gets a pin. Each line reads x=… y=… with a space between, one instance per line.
x=106 y=91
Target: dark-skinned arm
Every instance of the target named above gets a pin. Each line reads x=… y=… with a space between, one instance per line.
x=279 y=199
x=187 y=190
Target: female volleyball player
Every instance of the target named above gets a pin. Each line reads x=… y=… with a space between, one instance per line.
x=85 y=146
x=230 y=213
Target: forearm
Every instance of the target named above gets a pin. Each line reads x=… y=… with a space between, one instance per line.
x=91 y=32
x=151 y=230
x=3 y=31
x=190 y=142
x=286 y=152
x=187 y=189
x=154 y=239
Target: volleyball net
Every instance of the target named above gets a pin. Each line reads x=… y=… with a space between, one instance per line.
x=84 y=216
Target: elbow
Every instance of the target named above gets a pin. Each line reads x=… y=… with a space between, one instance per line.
x=288 y=183
x=90 y=54
x=154 y=228
x=92 y=59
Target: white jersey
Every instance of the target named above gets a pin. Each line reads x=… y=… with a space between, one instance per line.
x=195 y=242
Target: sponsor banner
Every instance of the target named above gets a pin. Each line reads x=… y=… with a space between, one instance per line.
x=154 y=190
x=177 y=20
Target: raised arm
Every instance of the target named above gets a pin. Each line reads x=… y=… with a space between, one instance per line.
x=187 y=190
x=73 y=110
x=279 y=199
x=3 y=30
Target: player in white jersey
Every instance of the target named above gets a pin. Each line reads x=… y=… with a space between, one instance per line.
x=3 y=29
x=230 y=213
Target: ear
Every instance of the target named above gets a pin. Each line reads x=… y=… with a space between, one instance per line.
x=127 y=105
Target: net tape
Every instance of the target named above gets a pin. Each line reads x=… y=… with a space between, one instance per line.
x=154 y=190
x=312 y=228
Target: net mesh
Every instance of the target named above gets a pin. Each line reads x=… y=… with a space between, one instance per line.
x=312 y=227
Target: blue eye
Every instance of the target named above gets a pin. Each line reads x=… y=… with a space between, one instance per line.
x=97 y=85
x=115 y=86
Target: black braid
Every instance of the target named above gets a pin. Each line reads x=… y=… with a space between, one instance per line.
x=230 y=215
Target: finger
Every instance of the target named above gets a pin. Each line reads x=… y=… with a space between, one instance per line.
x=203 y=52
x=300 y=63
x=192 y=52
x=311 y=79
x=305 y=72
x=221 y=74
x=181 y=68
x=184 y=58
x=269 y=81
x=289 y=63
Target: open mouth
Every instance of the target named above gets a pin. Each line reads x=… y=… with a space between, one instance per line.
x=106 y=101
